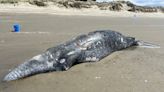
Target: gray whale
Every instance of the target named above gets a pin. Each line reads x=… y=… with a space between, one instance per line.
x=91 y=47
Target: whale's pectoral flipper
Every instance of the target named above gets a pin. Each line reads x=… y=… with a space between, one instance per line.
x=67 y=61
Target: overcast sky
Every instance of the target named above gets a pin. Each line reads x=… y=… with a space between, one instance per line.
x=143 y=2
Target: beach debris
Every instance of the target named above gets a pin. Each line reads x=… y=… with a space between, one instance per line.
x=97 y=77
x=145 y=81
x=16 y=28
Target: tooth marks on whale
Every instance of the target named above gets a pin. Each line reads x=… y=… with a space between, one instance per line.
x=91 y=47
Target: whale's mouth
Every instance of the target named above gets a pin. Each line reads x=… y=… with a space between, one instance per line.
x=147 y=45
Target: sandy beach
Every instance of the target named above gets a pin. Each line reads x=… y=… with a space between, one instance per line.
x=130 y=70
x=27 y=8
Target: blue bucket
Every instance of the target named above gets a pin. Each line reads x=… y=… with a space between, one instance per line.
x=16 y=28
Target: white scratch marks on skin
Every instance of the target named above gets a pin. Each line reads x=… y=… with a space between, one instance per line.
x=50 y=55
x=83 y=48
x=66 y=68
x=92 y=59
x=49 y=64
x=38 y=57
x=62 y=61
x=70 y=53
x=90 y=40
x=122 y=40
x=88 y=58
x=99 y=42
x=84 y=45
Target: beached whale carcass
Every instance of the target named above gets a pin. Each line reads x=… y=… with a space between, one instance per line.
x=85 y=48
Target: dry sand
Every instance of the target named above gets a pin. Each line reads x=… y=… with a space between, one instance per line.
x=130 y=70
x=27 y=8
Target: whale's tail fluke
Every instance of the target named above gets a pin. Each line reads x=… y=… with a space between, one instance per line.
x=31 y=67
x=146 y=44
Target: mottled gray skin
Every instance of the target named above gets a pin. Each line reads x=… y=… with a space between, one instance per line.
x=84 y=48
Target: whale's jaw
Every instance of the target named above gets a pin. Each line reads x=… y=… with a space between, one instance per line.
x=34 y=66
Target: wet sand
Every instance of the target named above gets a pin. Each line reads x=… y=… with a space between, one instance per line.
x=130 y=70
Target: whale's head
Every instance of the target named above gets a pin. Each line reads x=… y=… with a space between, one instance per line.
x=131 y=41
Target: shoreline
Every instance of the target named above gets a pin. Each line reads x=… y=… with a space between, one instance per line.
x=26 y=8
